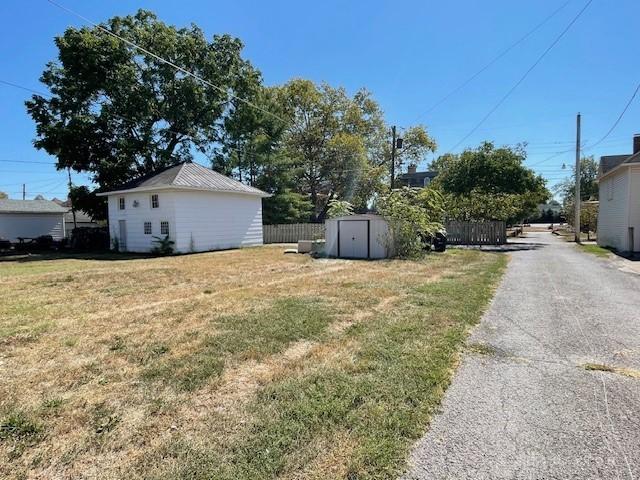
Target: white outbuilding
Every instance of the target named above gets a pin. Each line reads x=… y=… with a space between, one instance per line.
x=358 y=236
x=31 y=219
x=198 y=208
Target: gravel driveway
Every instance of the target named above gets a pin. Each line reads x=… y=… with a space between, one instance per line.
x=522 y=405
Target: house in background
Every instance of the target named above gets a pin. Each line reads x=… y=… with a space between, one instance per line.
x=619 y=212
x=198 y=208
x=83 y=220
x=31 y=219
x=413 y=178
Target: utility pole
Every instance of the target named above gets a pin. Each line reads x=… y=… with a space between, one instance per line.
x=393 y=156
x=576 y=197
x=73 y=209
x=24 y=191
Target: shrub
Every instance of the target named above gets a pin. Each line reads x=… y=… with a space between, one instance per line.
x=339 y=208
x=88 y=238
x=163 y=245
x=413 y=215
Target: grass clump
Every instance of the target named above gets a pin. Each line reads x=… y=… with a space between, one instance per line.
x=20 y=431
x=595 y=250
x=18 y=425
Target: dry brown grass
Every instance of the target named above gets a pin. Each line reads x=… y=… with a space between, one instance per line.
x=92 y=352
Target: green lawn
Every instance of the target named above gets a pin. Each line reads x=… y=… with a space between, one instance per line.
x=595 y=250
x=237 y=365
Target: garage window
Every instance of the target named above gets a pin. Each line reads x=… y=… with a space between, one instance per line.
x=164 y=228
x=121 y=203
x=147 y=228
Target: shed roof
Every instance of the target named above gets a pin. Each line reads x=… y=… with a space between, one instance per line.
x=30 y=206
x=359 y=216
x=190 y=176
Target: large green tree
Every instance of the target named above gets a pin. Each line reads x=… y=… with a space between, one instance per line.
x=489 y=183
x=117 y=113
x=330 y=140
x=589 y=189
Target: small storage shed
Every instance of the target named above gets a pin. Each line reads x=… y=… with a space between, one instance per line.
x=357 y=236
x=31 y=219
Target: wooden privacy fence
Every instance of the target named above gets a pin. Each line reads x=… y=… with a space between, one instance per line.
x=476 y=233
x=291 y=233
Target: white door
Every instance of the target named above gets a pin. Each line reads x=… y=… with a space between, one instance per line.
x=122 y=238
x=353 y=238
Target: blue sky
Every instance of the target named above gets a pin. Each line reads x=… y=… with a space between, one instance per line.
x=408 y=54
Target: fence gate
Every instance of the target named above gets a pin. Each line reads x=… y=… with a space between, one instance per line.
x=476 y=233
x=291 y=233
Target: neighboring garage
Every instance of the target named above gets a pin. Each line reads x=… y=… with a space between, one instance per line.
x=31 y=219
x=357 y=236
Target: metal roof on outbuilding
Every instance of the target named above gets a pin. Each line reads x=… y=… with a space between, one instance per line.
x=188 y=176
x=30 y=206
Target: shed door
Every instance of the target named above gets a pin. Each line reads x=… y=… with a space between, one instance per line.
x=354 y=238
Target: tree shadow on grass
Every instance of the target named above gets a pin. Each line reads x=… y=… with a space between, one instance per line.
x=49 y=256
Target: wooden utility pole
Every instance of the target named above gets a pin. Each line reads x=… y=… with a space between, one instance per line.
x=576 y=197
x=393 y=156
x=24 y=191
x=73 y=209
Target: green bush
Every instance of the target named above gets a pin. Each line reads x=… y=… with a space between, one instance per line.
x=413 y=214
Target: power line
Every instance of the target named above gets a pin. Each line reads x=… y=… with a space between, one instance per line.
x=523 y=77
x=165 y=61
x=615 y=124
x=491 y=62
x=27 y=161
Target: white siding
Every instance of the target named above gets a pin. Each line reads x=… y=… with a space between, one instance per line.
x=14 y=225
x=634 y=206
x=217 y=220
x=613 y=213
x=378 y=235
x=135 y=216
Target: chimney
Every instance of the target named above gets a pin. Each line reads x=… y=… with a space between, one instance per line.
x=636 y=143
x=413 y=167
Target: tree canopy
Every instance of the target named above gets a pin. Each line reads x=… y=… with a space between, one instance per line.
x=489 y=183
x=330 y=146
x=118 y=113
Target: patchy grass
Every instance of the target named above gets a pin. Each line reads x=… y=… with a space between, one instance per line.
x=234 y=365
x=595 y=250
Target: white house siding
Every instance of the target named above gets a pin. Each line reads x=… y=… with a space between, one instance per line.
x=31 y=225
x=217 y=220
x=613 y=214
x=135 y=216
x=634 y=205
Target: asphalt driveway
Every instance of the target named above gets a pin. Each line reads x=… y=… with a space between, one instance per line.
x=522 y=404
